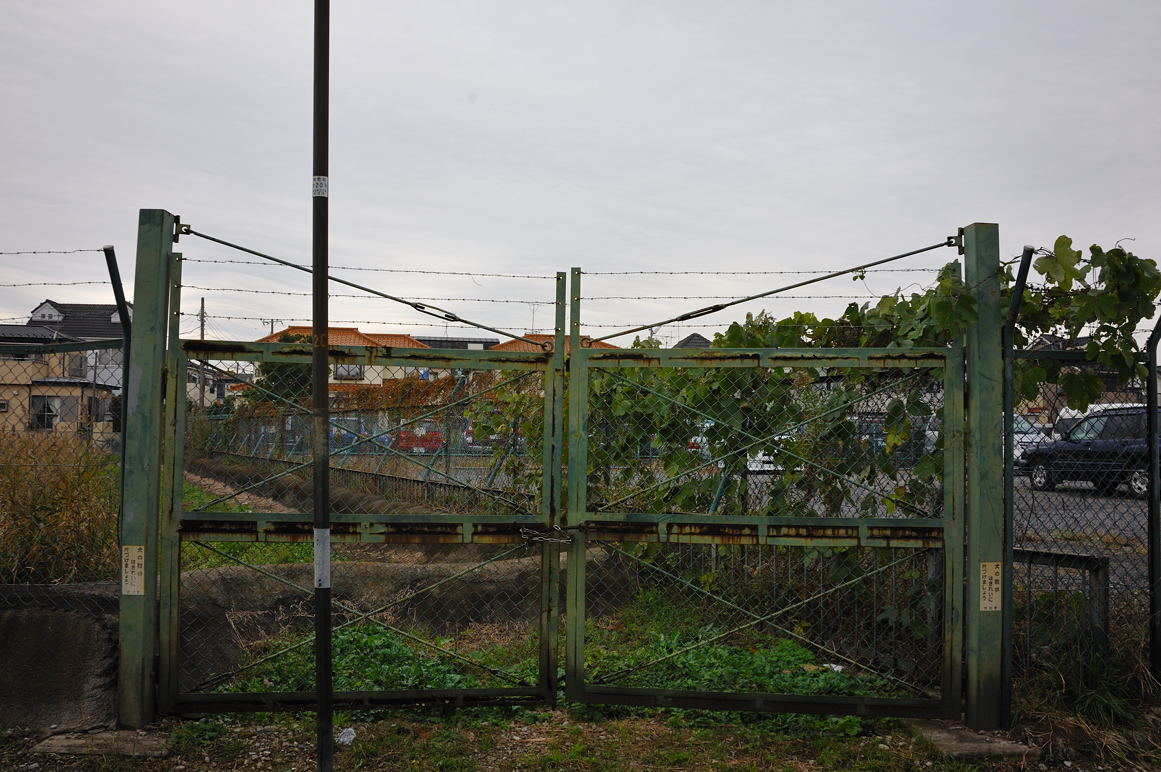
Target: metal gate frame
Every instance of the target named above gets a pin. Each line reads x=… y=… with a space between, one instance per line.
x=152 y=525
x=944 y=533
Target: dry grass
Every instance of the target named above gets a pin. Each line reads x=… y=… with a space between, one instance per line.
x=59 y=499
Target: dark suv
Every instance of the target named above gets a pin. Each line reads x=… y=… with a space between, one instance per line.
x=1107 y=448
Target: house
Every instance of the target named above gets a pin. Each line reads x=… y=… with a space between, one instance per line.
x=87 y=322
x=50 y=391
x=515 y=344
x=693 y=340
x=1049 y=401
x=463 y=344
x=346 y=378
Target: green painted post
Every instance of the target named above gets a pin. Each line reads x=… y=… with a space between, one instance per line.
x=984 y=561
x=170 y=502
x=141 y=475
x=551 y=493
x=577 y=496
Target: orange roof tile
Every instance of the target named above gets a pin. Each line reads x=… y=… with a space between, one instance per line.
x=349 y=336
x=520 y=345
x=395 y=341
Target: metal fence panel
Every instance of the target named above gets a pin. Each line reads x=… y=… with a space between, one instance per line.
x=766 y=530
x=438 y=487
x=1080 y=533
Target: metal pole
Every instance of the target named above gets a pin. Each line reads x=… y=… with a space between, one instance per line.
x=201 y=365
x=320 y=190
x=1008 y=334
x=1154 y=507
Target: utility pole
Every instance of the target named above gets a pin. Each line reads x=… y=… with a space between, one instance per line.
x=202 y=365
x=320 y=371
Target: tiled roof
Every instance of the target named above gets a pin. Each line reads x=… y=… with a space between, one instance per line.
x=693 y=340
x=84 y=321
x=348 y=336
x=28 y=333
x=396 y=341
x=521 y=345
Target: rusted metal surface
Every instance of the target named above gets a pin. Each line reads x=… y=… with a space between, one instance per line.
x=820 y=535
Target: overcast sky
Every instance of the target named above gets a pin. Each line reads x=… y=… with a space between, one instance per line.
x=528 y=137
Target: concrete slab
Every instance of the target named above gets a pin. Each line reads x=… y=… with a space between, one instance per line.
x=123 y=742
x=956 y=741
x=58 y=669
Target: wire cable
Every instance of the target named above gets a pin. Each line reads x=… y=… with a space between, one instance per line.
x=950 y=241
x=434 y=311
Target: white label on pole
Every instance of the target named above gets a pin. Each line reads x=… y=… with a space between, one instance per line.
x=322 y=558
x=321 y=187
x=991 y=586
x=133 y=570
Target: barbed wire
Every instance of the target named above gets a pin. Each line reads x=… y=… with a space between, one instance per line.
x=474 y=274
x=51 y=283
x=729 y=297
x=49 y=251
x=751 y=273
x=361 y=296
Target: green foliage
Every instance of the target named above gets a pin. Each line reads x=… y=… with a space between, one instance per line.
x=369 y=657
x=188 y=736
x=282 y=381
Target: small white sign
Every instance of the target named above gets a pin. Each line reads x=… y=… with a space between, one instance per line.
x=133 y=570
x=991 y=586
x=322 y=558
x=321 y=187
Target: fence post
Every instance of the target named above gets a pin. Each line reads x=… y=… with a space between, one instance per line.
x=141 y=474
x=983 y=607
x=1154 y=529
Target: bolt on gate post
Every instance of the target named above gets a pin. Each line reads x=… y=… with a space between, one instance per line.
x=142 y=475
x=984 y=563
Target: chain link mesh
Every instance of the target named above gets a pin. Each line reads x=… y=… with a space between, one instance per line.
x=1081 y=578
x=409 y=613
x=60 y=437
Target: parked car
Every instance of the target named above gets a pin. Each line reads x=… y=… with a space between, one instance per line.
x=1069 y=418
x=419 y=437
x=1107 y=448
x=1026 y=435
x=348 y=430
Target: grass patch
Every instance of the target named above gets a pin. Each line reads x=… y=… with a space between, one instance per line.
x=59 y=497
x=231 y=553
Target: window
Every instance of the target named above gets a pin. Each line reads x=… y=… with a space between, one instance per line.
x=3 y=406
x=1088 y=429
x=76 y=365
x=348 y=372
x=1126 y=426
x=44 y=412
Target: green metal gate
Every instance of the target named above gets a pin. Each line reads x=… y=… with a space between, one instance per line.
x=753 y=529
x=768 y=529
x=441 y=492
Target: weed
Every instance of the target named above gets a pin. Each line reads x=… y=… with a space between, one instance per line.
x=194 y=734
x=59 y=495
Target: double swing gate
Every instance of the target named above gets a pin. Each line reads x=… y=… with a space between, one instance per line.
x=745 y=529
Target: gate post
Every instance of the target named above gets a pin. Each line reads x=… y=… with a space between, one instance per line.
x=141 y=473
x=984 y=562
